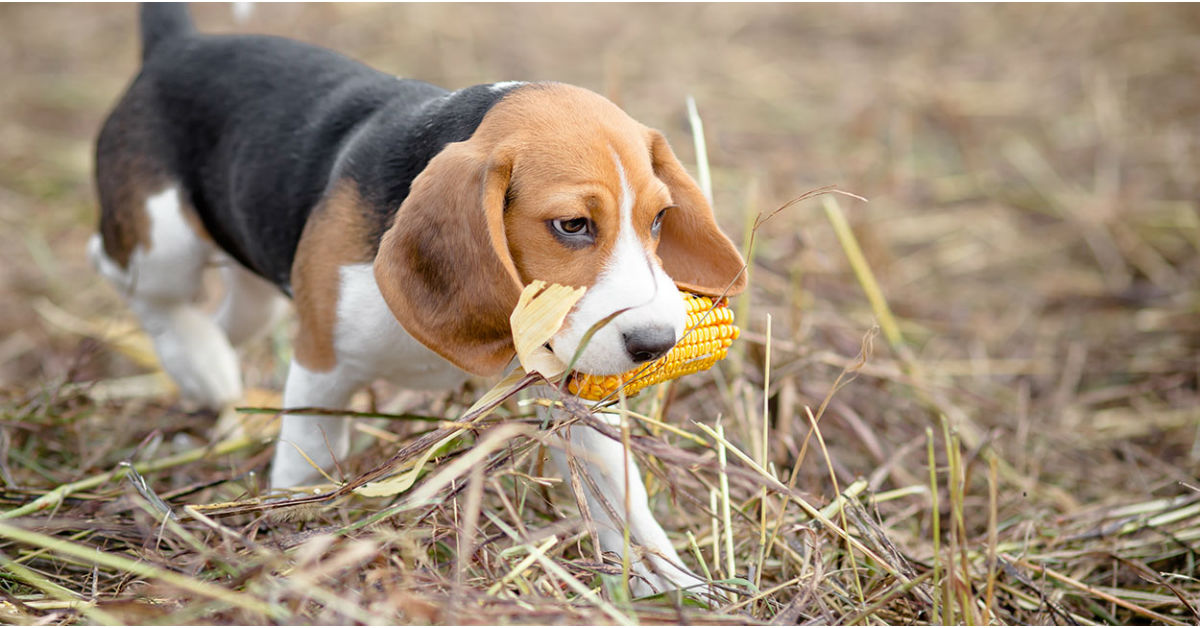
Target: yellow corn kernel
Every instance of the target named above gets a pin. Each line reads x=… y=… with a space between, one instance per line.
x=706 y=340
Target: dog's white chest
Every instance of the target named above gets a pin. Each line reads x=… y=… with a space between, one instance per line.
x=370 y=342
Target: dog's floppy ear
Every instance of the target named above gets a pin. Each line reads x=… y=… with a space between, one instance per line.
x=444 y=267
x=697 y=255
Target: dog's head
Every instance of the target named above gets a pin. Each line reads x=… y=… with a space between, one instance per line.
x=556 y=184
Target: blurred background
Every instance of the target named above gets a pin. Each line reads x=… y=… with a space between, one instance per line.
x=1032 y=174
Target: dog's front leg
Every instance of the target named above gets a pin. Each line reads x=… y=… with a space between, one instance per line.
x=616 y=489
x=322 y=439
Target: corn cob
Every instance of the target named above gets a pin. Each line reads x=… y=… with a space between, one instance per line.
x=706 y=340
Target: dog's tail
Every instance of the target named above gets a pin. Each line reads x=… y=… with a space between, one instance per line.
x=162 y=21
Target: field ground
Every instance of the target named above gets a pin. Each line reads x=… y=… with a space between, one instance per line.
x=1033 y=227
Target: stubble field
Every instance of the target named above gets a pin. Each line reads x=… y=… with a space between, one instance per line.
x=991 y=414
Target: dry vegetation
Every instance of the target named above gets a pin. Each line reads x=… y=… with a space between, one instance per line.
x=1018 y=443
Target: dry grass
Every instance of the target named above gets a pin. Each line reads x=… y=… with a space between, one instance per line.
x=1019 y=442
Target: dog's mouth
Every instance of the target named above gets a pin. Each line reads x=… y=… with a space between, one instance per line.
x=572 y=364
x=709 y=333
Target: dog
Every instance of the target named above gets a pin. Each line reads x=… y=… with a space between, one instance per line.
x=402 y=220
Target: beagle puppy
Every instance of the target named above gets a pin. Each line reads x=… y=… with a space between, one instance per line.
x=402 y=220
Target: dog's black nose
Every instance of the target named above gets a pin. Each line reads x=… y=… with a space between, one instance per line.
x=649 y=343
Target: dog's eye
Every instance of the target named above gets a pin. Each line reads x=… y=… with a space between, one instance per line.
x=573 y=232
x=656 y=226
x=573 y=226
